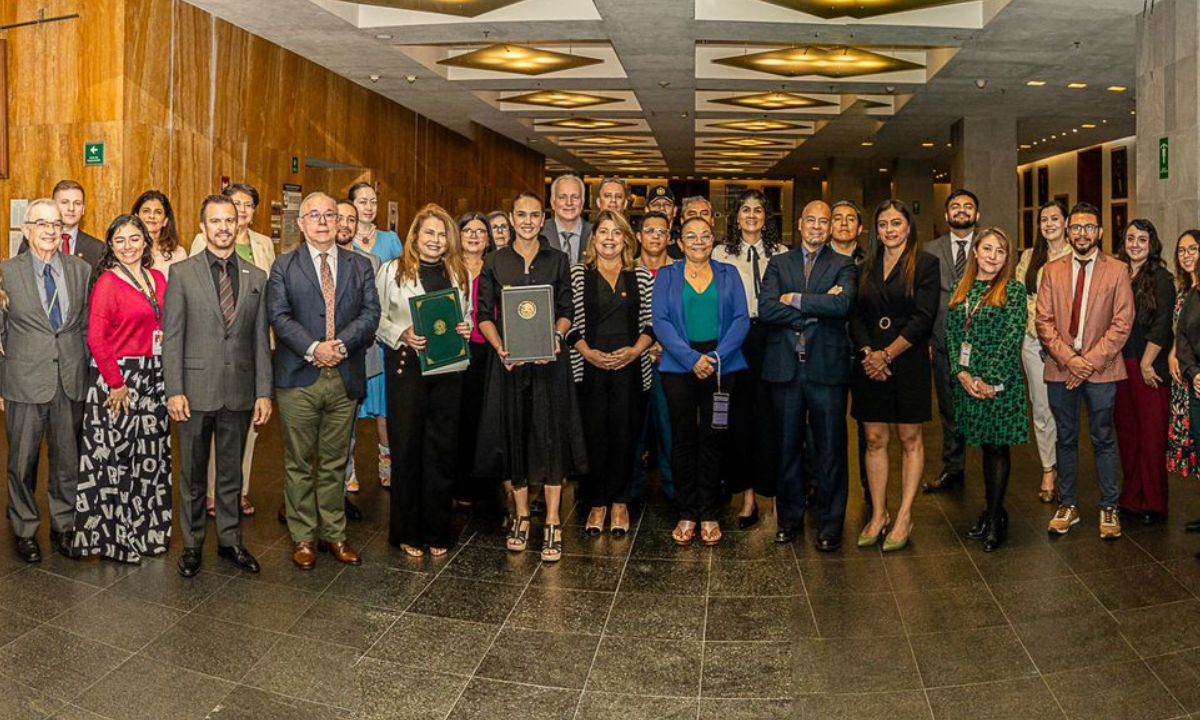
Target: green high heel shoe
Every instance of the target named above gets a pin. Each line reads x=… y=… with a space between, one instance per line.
x=890 y=545
x=865 y=540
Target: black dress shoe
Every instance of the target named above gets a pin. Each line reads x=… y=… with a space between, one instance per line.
x=189 y=562
x=828 y=542
x=785 y=535
x=240 y=556
x=745 y=522
x=352 y=511
x=945 y=481
x=28 y=549
x=980 y=529
x=62 y=542
x=282 y=513
x=1193 y=526
x=1151 y=518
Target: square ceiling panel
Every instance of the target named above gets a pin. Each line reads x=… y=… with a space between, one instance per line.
x=858 y=9
x=778 y=100
x=763 y=125
x=459 y=8
x=585 y=124
x=559 y=99
x=839 y=61
x=518 y=59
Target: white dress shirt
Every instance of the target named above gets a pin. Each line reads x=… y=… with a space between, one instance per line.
x=745 y=269
x=1077 y=342
x=316 y=258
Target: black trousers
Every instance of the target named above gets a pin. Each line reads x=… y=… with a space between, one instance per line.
x=423 y=418
x=613 y=414
x=812 y=417
x=466 y=487
x=752 y=450
x=954 y=447
x=195 y=440
x=696 y=447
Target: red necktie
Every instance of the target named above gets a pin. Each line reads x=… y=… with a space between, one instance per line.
x=1076 y=306
x=66 y=246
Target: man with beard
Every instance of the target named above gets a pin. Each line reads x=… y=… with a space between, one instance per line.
x=952 y=250
x=1085 y=312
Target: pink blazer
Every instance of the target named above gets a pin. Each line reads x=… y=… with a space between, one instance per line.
x=1110 y=316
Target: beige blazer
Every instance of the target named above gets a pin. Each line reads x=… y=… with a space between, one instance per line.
x=1110 y=315
x=395 y=316
x=261 y=248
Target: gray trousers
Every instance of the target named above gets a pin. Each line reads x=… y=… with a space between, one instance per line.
x=227 y=428
x=28 y=424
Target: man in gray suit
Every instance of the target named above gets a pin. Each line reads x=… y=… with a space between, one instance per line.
x=566 y=230
x=952 y=251
x=217 y=371
x=42 y=377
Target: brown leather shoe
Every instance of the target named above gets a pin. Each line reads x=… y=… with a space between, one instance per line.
x=304 y=555
x=342 y=552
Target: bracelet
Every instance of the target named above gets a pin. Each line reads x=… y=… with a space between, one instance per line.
x=887 y=357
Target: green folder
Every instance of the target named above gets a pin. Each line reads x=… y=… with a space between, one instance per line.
x=436 y=317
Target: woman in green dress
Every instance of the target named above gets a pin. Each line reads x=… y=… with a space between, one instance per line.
x=987 y=317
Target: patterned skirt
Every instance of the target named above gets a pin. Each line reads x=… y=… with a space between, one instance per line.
x=1181 y=451
x=123 y=501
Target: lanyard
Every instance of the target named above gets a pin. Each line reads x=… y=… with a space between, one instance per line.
x=150 y=296
x=972 y=313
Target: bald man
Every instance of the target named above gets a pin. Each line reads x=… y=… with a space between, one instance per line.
x=805 y=299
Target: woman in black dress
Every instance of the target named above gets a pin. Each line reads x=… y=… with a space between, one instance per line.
x=890 y=327
x=530 y=431
x=610 y=337
x=476 y=233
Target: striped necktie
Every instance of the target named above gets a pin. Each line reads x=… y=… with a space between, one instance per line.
x=225 y=293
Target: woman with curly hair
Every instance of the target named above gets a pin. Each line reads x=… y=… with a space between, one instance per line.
x=1181 y=452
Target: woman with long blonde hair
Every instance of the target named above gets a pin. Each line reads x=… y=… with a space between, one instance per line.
x=422 y=404
x=987 y=317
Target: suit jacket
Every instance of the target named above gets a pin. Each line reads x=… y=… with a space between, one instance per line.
x=36 y=359
x=296 y=308
x=550 y=232
x=88 y=248
x=671 y=329
x=261 y=247
x=821 y=317
x=943 y=250
x=214 y=366
x=1110 y=314
x=396 y=315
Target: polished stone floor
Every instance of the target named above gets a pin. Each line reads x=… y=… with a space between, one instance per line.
x=629 y=628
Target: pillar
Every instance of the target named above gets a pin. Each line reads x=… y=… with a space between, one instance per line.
x=846 y=180
x=985 y=162
x=912 y=183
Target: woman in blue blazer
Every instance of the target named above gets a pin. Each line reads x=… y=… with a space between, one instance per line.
x=701 y=320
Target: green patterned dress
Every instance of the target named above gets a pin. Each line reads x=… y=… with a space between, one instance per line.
x=995 y=338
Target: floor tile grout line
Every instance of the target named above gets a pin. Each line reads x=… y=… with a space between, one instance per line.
x=608 y=616
x=1011 y=626
x=804 y=586
x=907 y=637
x=704 y=637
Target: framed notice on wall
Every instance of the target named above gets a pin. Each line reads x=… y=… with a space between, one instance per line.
x=1120 y=173
x=1043 y=183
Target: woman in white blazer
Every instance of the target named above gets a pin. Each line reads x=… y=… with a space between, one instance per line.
x=423 y=407
x=258 y=249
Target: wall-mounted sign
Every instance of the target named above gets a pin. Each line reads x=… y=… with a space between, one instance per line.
x=1164 y=159
x=93 y=154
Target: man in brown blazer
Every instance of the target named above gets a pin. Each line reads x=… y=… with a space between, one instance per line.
x=1084 y=315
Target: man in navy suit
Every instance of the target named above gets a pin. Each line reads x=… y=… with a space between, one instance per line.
x=322 y=302
x=806 y=297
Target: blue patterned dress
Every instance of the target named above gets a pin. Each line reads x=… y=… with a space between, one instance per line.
x=387 y=248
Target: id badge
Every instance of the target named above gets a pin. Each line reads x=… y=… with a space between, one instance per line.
x=720 y=411
x=964 y=355
x=156 y=348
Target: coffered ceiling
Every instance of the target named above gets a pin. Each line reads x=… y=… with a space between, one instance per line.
x=770 y=88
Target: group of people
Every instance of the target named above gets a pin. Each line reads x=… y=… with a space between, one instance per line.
x=732 y=361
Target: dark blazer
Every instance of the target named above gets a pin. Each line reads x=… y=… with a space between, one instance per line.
x=296 y=308
x=911 y=316
x=550 y=233
x=943 y=249
x=671 y=330
x=1187 y=338
x=36 y=358
x=821 y=317
x=1154 y=326
x=214 y=366
x=88 y=248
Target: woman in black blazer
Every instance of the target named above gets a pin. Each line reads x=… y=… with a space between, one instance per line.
x=890 y=327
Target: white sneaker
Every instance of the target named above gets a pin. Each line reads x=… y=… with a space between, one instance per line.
x=1110 y=523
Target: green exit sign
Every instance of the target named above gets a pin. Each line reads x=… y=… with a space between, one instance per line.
x=93 y=154
x=1164 y=158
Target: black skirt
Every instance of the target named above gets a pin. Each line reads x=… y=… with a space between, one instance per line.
x=904 y=398
x=530 y=429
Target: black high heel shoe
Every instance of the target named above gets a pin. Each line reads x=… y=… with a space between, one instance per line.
x=745 y=522
x=980 y=528
x=997 y=532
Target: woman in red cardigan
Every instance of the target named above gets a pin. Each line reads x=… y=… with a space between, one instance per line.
x=123 y=502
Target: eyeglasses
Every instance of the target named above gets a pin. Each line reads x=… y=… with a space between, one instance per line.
x=474 y=232
x=316 y=216
x=500 y=229
x=656 y=232
x=694 y=239
x=1089 y=229
x=1190 y=251
x=43 y=225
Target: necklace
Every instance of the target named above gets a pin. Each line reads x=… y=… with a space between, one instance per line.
x=693 y=273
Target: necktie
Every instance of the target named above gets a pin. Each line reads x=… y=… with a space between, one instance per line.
x=66 y=246
x=809 y=261
x=327 y=290
x=225 y=292
x=53 y=309
x=754 y=269
x=569 y=245
x=1077 y=304
x=960 y=260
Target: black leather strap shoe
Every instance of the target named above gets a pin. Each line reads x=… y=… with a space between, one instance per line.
x=352 y=511
x=28 y=549
x=828 y=542
x=189 y=562
x=945 y=481
x=239 y=556
x=62 y=542
x=785 y=535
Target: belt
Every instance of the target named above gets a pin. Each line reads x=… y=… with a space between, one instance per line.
x=885 y=323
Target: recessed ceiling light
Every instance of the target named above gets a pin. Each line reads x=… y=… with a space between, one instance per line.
x=603 y=140
x=1076 y=85
x=773 y=101
x=464 y=8
x=816 y=168
x=1025 y=147
x=867 y=143
x=613 y=152
x=1117 y=88
x=882 y=169
x=832 y=62
x=559 y=99
x=760 y=125
x=926 y=144
x=749 y=142
x=1053 y=137
x=1036 y=83
x=743 y=154
x=1074 y=130
x=829 y=9
x=584 y=124
x=519 y=59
